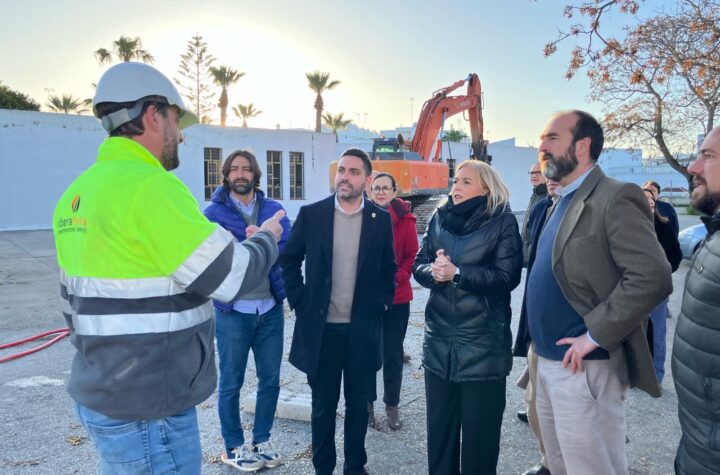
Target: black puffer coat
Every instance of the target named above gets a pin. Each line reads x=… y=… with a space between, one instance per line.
x=696 y=361
x=467 y=325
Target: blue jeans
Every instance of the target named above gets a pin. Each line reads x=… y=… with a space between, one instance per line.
x=236 y=334
x=169 y=445
x=658 y=315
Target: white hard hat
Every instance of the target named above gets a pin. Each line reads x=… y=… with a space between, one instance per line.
x=133 y=82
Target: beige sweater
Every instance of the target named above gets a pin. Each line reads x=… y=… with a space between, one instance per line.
x=346 y=244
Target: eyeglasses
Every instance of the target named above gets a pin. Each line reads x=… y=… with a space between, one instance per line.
x=534 y=173
x=384 y=189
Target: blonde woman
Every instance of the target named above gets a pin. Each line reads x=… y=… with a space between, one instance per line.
x=471 y=259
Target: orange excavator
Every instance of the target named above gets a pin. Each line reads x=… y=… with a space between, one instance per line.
x=417 y=167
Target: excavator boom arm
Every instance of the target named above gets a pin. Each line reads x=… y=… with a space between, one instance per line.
x=441 y=106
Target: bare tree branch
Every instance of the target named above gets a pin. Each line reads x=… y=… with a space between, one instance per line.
x=660 y=84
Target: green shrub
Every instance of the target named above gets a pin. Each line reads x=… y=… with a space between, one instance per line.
x=692 y=211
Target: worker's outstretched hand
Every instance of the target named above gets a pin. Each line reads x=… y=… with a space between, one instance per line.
x=273 y=225
x=250 y=230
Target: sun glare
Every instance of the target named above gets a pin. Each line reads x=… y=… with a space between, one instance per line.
x=274 y=65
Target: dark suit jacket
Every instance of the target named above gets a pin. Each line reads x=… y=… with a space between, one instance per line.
x=535 y=223
x=612 y=270
x=668 y=210
x=311 y=240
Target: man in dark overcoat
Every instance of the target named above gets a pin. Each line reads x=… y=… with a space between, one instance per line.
x=346 y=244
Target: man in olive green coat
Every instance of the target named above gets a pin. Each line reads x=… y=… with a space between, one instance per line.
x=597 y=273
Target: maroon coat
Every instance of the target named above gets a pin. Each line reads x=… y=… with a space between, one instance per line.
x=405 y=244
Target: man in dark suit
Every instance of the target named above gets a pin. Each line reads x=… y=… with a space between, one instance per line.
x=347 y=245
x=539 y=193
x=528 y=381
x=597 y=272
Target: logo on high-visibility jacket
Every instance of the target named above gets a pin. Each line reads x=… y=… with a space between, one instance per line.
x=75 y=205
x=74 y=223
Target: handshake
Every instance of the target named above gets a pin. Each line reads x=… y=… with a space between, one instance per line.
x=271 y=224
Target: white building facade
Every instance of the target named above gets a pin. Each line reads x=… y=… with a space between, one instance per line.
x=628 y=165
x=42 y=153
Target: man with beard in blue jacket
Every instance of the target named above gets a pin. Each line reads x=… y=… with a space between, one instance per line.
x=256 y=321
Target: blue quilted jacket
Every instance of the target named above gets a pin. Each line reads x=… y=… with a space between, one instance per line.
x=222 y=211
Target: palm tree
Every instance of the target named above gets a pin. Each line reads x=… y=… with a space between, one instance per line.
x=336 y=122
x=224 y=76
x=67 y=104
x=125 y=49
x=319 y=82
x=453 y=135
x=246 y=111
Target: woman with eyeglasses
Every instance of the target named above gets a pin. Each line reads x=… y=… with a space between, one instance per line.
x=395 y=320
x=470 y=259
x=668 y=239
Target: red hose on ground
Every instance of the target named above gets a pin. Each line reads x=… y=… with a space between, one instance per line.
x=60 y=332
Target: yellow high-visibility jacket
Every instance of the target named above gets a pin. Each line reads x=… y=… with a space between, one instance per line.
x=139 y=264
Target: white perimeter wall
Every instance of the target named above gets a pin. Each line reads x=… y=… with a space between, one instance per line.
x=513 y=164
x=42 y=153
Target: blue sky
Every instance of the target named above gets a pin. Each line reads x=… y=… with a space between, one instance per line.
x=384 y=53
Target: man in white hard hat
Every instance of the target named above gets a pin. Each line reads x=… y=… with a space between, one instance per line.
x=139 y=264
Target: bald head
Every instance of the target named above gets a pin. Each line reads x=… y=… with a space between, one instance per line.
x=536 y=176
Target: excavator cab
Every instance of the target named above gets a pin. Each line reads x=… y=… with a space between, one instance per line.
x=392 y=149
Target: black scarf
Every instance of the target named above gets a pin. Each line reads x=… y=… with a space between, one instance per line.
x=541 y=189
x=454 y=217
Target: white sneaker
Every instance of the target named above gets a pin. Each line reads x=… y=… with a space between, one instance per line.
x=269 y=454
x=244 y=458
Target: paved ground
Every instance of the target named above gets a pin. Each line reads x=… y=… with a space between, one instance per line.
x=39 y=433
